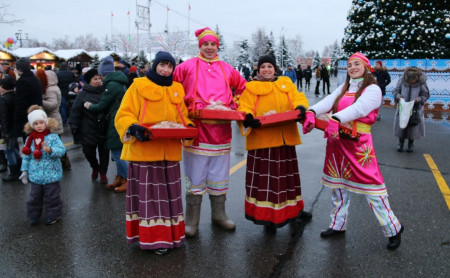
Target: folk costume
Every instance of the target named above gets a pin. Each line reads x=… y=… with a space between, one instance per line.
x=154 y=208
x=351 y=165
x=207 y=161
x=273 y=189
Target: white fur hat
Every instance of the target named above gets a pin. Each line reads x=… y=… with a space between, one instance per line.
x=37 y=115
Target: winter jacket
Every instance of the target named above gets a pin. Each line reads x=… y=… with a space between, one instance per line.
x=291 y=74
x=212 y=84
x=409 y=92
x=383 y=79
x=65 y=77
x=318 y=74
x=307 y=73
x=324 y=74
x=299 y=73
x=48 y=168
x=6 y=114
x=83 y=122
x=160 y=104
x=28 y=92
x=115 y=87
x=51 y=100
x=269 y=96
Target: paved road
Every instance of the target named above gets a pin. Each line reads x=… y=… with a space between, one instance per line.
x=90 y=240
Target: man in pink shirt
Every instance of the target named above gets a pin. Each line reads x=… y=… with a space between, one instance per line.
x=207 y=80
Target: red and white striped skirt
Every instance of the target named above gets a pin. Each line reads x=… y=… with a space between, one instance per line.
x=154 y=207
x=273 y=189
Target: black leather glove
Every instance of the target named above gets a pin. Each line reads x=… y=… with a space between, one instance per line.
x=301 y=115
x=190 y=125
x=141 y=133
x=251 y=122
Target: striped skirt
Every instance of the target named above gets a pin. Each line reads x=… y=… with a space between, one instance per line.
x=273 y=190
x=154 y=207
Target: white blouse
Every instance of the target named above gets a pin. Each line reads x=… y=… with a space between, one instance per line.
x=366 y=103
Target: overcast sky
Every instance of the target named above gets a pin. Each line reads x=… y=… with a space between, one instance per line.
x=318 y=22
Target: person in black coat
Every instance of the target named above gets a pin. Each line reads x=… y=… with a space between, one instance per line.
x=307 y=73
x=28 y=92
x=83 y=124
x=65 y=77
x=7 y=131
x=299 y=73
x=326 y=79
x=383 y=79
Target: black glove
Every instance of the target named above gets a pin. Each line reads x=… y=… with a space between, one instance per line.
x=301 y=115
x=251 y=122
x=190 y=125
x=141 y=133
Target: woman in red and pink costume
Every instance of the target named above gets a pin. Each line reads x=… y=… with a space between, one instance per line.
x=207 y=80
x=351 y=165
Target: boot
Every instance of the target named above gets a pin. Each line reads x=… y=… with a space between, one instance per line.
x=218 y=215
x=66 y=162
x=103 y=179
x=14 y=173
x=410 y=146
x=3 y=162
x=192 y=215
x=401 y=143
x=122 y=186
x=117 y=181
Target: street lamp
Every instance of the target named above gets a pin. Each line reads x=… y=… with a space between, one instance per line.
x=19 y=37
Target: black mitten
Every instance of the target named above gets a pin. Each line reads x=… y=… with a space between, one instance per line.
x=301 y=115
x=251 y=122
x=141 y=133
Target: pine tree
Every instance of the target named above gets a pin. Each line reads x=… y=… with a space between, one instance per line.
x=336 y=54
x=243 y=59
x=398 y=29
x=142 y=58
x=223 y=46
x=95 y=61
x=316 y=60
x=283 y=53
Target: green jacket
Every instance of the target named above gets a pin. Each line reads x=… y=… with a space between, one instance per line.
x=115 y=87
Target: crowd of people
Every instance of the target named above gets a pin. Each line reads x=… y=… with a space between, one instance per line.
x=108 y=110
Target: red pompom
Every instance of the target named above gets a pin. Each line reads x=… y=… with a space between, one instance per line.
x=37 y=154
x=26 y=150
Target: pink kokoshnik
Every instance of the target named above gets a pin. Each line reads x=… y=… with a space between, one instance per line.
x=353 y=165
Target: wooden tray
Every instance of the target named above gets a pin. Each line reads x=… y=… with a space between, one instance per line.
x=230 y=115
x=344 y=132
x=278 y=118
x=171 y=133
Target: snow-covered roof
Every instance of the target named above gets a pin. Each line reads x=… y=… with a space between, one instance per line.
x=28 y=52
x=68 y=54
x=7 y=51
x=102 y=54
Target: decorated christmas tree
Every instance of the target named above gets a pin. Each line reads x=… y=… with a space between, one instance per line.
x=399 y=29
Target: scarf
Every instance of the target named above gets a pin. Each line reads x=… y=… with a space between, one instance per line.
x=93 y=89
x=159 y=79
x=37 y=138
x=215 y=59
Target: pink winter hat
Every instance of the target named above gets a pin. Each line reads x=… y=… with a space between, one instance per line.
x=359 y=56
x=206 y=34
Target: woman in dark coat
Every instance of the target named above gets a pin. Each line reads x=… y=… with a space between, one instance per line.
x=115 y=84
x=84 y=126
x=411 y=87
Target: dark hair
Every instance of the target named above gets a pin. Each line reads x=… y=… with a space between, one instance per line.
x=368 y=79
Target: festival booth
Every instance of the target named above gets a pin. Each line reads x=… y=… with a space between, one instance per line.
x=40 y=57
x=7 y=56
x=74 y=57
x=438 y=81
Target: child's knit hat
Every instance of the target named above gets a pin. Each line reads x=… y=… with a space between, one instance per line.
x=36 y=115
